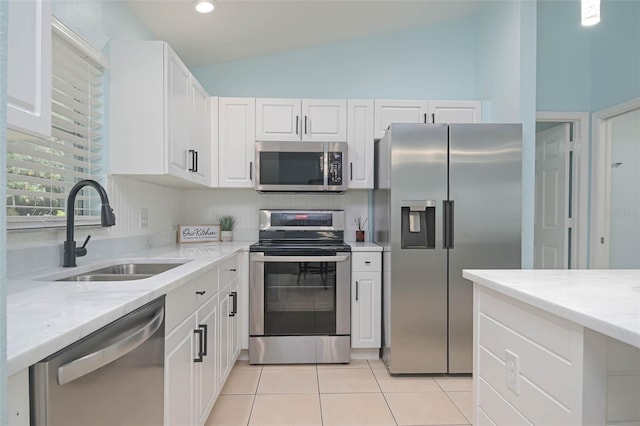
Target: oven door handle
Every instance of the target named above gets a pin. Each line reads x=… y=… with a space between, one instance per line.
x=259 y=257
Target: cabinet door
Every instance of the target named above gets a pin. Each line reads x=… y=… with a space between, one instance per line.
x=395 y=111
x=178 y=111
x=278 y=119
x=234 y=326
x=213 y=140
x=29 y=66
x=360 y=142
x=366 y=309
x=201 y=144
x=324 y=120
x=179 y=374
x=224 y=309
x=455 y=111
x=206 y=370
x=18 y=399
x=236 y=139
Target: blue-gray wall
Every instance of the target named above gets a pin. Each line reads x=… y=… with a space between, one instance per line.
x=423 y=63
x=587 y=68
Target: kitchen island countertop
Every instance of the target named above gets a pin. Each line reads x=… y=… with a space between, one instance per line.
x=606 y=301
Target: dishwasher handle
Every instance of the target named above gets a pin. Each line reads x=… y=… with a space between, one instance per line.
x=89 y=363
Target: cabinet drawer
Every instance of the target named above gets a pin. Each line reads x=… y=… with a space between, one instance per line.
x=366 y=261
x=229 y=270
x=182 y=301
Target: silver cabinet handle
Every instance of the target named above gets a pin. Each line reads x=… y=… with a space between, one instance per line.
x=89 y=363
x=356 y=291
x=297 y=123
x=259 y=257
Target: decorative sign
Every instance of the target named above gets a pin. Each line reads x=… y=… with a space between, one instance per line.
x=198 y=233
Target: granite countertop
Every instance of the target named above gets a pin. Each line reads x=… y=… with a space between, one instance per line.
x=44 y=316
x=606 y=301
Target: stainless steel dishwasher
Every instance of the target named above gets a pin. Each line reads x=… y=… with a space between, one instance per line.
x=113 y=377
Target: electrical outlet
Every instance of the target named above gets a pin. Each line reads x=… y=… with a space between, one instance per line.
x=144 y=217
x=512 y=364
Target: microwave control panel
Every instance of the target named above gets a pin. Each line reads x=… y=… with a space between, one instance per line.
x=335 y=168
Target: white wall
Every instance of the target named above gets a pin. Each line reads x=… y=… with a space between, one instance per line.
x=205 y=206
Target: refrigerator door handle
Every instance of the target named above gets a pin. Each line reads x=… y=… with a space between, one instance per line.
x=447 y=221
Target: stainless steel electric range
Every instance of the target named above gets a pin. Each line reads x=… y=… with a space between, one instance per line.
x=299 y=288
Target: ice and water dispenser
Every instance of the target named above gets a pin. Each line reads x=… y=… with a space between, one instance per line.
x=418 y=224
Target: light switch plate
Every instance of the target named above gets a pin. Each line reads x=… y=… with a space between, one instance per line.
x=512 y=367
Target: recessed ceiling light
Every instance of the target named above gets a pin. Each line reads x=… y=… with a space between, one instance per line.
x=204 y=6
x=590 y=12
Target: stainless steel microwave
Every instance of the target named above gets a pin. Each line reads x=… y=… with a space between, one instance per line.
x=301 y=166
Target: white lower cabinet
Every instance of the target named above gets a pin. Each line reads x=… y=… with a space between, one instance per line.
x=18 y=399
x=206 y=371
x=179 y=374
x=366 y=300
x=229 y=330
x=201 y=349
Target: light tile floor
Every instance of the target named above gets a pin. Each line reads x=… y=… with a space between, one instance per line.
x=359 y=393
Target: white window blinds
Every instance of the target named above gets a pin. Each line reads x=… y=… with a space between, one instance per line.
x=41 y=172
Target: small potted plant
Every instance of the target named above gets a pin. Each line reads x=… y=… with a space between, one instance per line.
x=227 y=223
x=360 y=224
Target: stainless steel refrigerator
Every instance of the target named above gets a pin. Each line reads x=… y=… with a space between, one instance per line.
x=446 y=198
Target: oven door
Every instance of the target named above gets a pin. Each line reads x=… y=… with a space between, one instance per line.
x=300 y=295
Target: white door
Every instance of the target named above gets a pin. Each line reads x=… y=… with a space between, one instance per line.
x=278 y=119
x=236 y=140
x=178 y=106
x=624 y=191
x=206 y=370
x=179 y=374
x=552 y=199
x=324 y=120
x=455 y=112
x=201 y=144
x=365 y=310
x=389 y=111
x=360 y=143
x=29 y=66
x=224 y=309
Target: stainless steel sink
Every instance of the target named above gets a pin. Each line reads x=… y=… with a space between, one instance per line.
x=123 y=272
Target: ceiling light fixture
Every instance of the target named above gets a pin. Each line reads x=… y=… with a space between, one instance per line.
x=203 y=6
x=590 y=12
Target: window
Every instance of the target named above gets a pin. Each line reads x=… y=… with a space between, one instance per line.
x=41 y=172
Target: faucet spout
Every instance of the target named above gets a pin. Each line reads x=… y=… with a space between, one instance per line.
x=107 y=218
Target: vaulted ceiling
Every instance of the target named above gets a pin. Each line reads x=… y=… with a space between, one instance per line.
x=239 y=29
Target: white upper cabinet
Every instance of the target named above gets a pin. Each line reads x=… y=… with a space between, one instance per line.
x=178 y=112
x=389 y=111
x=236 y=140
x=278 y=119
x=360 y=142
x=160 y=128
x=455 y=111
x=29 y=67
x=405 y=111
x=324 y=120
x=200 y=154
x=301 y=119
